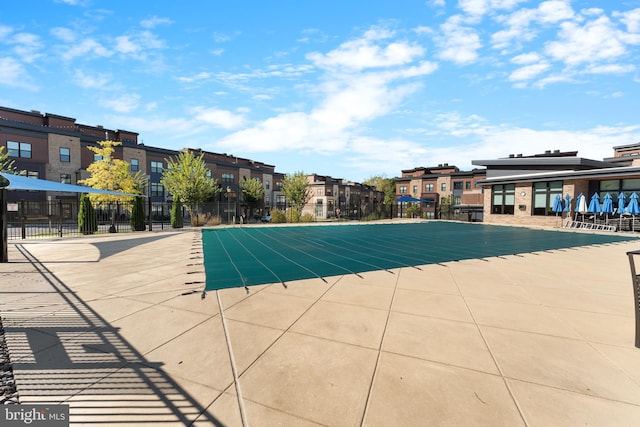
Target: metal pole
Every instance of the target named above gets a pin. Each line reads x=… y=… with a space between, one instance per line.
x=4 y=247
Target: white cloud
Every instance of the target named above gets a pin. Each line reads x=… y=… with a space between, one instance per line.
x=219 y=118
x=526 y=58
x=154 y=21
x=519 y=24
x=351 y=95
x=528 y=72
x=86 y=47
x=121 y=104
x=366 y=52
x=13 y=74
x=631 y=19
x=458 y=43
x=27 y=46
x=198 y=77
x=596 y=40
x=138 y=45
x=609 y=69
x=5 y=31
x=64 y=34
x=92 y=80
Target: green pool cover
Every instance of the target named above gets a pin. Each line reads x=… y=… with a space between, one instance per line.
x=246 y=256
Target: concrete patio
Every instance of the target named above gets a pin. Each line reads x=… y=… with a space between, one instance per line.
x=116 y=327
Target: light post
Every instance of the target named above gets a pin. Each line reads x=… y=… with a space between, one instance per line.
x=228 y=205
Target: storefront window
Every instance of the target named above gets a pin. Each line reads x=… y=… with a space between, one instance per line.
x=503 y=199
x=544 y=194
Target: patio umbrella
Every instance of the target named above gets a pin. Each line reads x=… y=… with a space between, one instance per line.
x=557 y=204
x=621 y=207
x=581 y=206
x=633 y=209
x=567 y=203
x=607 y=205
x=404 y=199
x=594 y=205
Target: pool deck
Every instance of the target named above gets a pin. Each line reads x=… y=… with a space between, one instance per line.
x=116 y=327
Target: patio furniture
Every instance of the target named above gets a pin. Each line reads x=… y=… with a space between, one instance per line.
x=635 y=280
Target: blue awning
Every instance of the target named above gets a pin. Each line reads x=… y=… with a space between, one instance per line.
x=22 y=183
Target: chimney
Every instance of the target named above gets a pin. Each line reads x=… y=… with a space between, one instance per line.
x=511 y=156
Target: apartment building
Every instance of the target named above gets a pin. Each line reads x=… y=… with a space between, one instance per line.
x=335 y=197
x=442 y=185
x=55 y=148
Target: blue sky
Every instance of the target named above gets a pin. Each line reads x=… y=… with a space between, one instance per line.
x=349 y=89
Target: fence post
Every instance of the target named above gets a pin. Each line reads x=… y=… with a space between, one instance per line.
x=60 y=217
x=150 y=214
x=23 y=217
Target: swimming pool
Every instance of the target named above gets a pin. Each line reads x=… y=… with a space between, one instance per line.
x=245 y=256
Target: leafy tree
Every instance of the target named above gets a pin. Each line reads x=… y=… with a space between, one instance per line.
x=414 y=210
x=112 y=174
x=137 y=215
x=295 y=187
x=87 y=218
x=176 y=214
x=6 y=164
x=388 y=186
x=252 y=193
x=187 y=180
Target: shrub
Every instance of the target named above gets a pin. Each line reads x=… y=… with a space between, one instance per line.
x=87 y=218
x=177 y=221
x=306 y=217
x=278 y=216
x=137 y=215
x=293 y=216
x=214 y=220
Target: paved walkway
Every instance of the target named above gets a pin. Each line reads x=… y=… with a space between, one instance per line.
x=116 y=327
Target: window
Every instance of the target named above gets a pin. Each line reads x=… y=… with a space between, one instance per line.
x=278 y=186
x=135 y=165
x=228 y=177
x=503 y=199
x=97 y=158
x=467 y=185
x=33 y=174
x=544 y=194
x=19 y=149
x=319 y=191
x=65 y=154
x=415 y=189
x=209 y=174
x=156 y=167
x=65 y=178
x=267 y=185
x=428 y=187
x=457 y=185
x=157 y=190
x=403 y=189
x=443 y=186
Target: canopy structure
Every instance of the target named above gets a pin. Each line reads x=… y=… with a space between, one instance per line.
x=21 y=183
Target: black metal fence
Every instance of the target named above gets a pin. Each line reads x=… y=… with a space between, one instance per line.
x=32 y=220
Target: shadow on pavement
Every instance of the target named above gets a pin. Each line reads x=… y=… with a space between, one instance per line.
x=63 y=352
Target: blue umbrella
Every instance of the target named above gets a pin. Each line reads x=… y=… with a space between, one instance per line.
x=633 y=208
x=607 y=205
x=557 y=204
x=621 y=202
x=621 y=209
x=594 y=205
x=581 y=205
x=567 y=203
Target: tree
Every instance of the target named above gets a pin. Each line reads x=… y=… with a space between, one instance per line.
x=137 y=219
x=87 y=220
x=187 y=180
x=295 y=187
x=176 y=215
x=252 y=193
x=111 y=174
x=6 y=164
x=388 y=186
